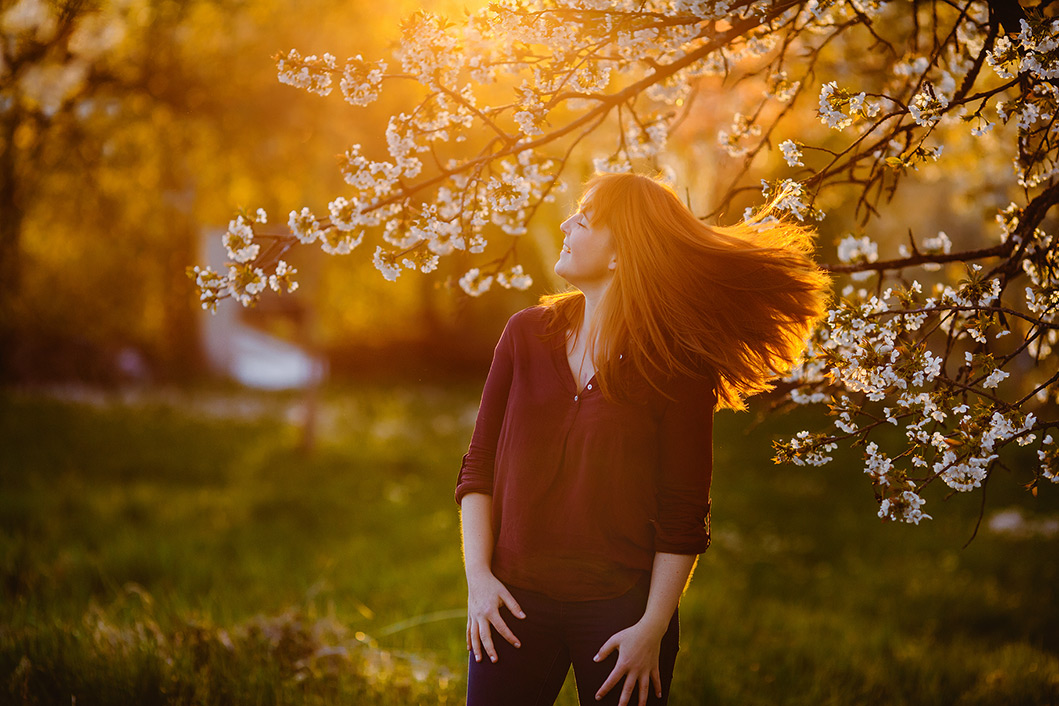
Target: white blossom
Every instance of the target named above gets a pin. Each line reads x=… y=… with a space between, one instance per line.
x=855 y=250
x=514 y=278
x=304 y=226
x=510 y=192
x=475 y=283
x=311 y=73
x=282 y=278
x=733 y=139
x=611 y=165
x=528 y=123
x=904 y=507
x=239 y=241
x=335 y=241
x=927 y=105
x=361 y=80
x=245 y=282
x=830 y=110
x=781 y=88
x=994 y=378
x=385 y=262
x=791 y=198
x=792 y=153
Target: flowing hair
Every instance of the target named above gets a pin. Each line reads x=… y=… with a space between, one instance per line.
x=734 y=304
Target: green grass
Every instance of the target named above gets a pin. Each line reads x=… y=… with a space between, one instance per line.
x=181 y=549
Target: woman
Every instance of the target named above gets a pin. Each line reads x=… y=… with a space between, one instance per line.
x=585 y=491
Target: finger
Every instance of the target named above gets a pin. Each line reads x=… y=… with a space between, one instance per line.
x=656 y=679
x=511 y=604
x=605 y=650
x=476 y=643
x=468 y=634
x=487 y=640
x=505 y=631
x=612 y=679
x=626 y=691
x=644 y=688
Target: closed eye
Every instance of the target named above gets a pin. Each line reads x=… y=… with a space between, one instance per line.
x=584 y=218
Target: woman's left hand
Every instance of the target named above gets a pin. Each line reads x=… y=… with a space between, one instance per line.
x=638 y=648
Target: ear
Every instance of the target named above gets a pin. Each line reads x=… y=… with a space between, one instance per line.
x=613 y=264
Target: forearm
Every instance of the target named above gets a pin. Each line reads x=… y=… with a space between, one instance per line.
x=639 y=645
x=476 y=525
x=669 y=576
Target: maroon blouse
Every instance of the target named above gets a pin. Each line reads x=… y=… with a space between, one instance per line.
x=585 y=491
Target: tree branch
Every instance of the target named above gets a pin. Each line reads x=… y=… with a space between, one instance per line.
x=920 y=259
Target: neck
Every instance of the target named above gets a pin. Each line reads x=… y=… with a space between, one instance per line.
x=593 y=297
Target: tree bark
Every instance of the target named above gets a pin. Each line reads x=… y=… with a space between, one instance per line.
x=1009 y=13
x=11 y=218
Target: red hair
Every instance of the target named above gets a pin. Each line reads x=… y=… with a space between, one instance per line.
x=732 y=304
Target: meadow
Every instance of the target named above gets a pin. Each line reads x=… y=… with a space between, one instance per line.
x=183 y=548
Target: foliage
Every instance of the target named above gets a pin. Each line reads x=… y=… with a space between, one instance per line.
x=67 y=98
x=175 y=548
x=857 y=96
x=289 y=658
x=126 y=130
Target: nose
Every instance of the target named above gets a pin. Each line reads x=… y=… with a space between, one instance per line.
x=565 y=226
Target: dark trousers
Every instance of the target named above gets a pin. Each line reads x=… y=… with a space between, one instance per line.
x=555 y=634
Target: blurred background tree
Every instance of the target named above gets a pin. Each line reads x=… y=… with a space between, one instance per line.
x=126 y=130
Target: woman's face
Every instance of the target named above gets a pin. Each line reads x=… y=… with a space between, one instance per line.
x=587 y=257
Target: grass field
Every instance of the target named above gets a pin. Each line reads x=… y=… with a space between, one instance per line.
x=180 y=548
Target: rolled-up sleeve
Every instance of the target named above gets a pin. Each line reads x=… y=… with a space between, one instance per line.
x=476 y=471
x=685 y=470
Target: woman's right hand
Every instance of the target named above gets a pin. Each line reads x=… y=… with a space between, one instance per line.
x=485 y=595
